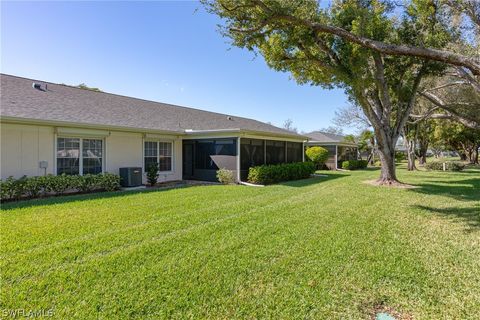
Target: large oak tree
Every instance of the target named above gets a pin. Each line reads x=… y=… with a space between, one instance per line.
x=376 y=55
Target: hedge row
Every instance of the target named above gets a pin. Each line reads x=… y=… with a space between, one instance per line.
x=449 y=166
x=34 y=187
x=268 y=174
x=354 y=164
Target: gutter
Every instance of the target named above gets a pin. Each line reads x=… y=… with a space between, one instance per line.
x=238 y=130
x=60 y=123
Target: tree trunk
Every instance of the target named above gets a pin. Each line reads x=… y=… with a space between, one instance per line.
x=410 y=146
x=422 y=152
x=386 y=152
x=388 y=175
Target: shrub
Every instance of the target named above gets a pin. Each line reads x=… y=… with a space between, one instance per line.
x=455 y=166
x=225 y=176
x=60 y=184
x=268 y=174
x=317 y=155
x=3 y=190
x=354 y=164
x=109 y=181
x=32 y=186
x=449 y=166
x=400 y=156
x=12 y=188
x=152 y=174
x=86 y=183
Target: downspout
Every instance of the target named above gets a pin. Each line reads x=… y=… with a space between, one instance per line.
x=238 y=159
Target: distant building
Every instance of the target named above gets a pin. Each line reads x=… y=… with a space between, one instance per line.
x=339 y=150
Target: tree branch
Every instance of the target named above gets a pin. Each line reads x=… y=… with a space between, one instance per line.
x=473 y=64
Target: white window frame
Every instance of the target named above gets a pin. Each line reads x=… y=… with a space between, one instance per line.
x=80 y=159
x=172 y=157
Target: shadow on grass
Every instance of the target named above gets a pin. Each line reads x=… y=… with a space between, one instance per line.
x=465 y=189
x=325 y=176
x=470 y=216
x=78 y=197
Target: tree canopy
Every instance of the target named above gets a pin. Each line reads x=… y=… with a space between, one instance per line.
x=377 y=53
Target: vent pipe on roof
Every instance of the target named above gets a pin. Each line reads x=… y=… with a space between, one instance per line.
x=229 y=118
x=36 y=86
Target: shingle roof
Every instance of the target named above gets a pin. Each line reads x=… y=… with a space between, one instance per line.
x=78 y=106
x=325 y=137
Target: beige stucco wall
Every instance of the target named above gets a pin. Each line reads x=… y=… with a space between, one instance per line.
x=125 y=149
x=23 y=146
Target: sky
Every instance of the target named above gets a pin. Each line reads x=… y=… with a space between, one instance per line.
x=166 y=51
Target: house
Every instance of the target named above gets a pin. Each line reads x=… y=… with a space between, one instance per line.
x=49 y=128
x=339 y=150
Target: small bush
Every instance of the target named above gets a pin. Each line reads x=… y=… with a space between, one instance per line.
x=109 y=181
x=87 y=182
x=225 y=176
x=400 y=156
x=3 y=190
x=317 y=155
x=32 y=186
x=354 y=164
x=449 y=166
x=152 y=174
x=12 y=188
x=60 y=184
x=268 y=174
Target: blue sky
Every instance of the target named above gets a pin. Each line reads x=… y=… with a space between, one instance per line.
x=164 y=51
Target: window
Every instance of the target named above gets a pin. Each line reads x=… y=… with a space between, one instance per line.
x=92 y=151
x=68 y=153
x=158 y=152
x=71 y=161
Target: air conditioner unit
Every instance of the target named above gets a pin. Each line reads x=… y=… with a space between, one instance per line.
x=131 y=177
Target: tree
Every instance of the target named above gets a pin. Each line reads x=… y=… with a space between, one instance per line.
x=332 y=130
x=351 y=115
x=85 y=87
x=367 y=143
x=317 y=155
x=288 y=125
x=456 y=94
x=455 y=136
x=450 y=97
x=360 y=46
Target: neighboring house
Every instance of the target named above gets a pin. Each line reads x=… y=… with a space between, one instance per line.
x=49 y=128
x=338 y=149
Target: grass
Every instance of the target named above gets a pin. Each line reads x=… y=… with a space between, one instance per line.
x=327 y=247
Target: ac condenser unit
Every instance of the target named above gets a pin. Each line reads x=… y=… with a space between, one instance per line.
x=131 y=177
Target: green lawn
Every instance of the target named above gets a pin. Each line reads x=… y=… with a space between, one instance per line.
x=327 y=247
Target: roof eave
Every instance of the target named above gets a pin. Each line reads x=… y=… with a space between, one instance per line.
x=60 y=123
